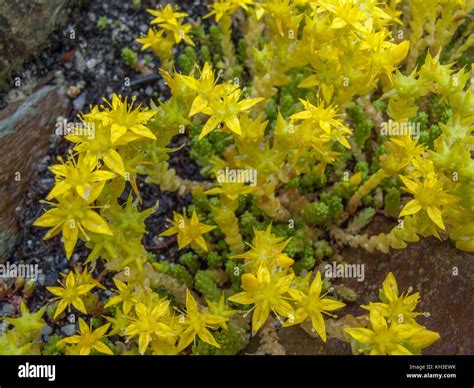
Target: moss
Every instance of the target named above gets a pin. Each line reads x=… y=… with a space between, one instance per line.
x=316 y=213
x=187 y=60
x=176 y=271
x=206 y=285
x=232 y=341
x=307 y=262
x=214 y=260
x=51 y=348
x=191 y=261
x=130 y=57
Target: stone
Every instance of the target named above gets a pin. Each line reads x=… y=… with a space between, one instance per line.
x=440 y=272
x=24 y=28
x=25 y=129
x=68 y=330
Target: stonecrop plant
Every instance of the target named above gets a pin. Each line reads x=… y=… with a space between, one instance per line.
x=305 y=119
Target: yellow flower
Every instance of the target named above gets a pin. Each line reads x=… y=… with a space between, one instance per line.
x=396 y=307
x=188 y=230
x=88 y=339
x=267 y=293
x=72 y=215
x=154 y=40
x=122 y=119
x=429 y=196
x=225 y=110
x=231 y=190
x=169 y=20
x=125 y=296
x=206 y=87
x=29 y=324
x=347 y=13
x=324 y=118
x=266 y=250
x=70 y=293
x=391 y=339
x=150 y=323
x=401 y=152
x=82 y=177
x=84 y=278
x=312 y=305
x=220 y=309
x=166 y=15
x=197 y=323
x=227 y=7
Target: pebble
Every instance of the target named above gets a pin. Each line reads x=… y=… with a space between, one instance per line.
x=80 y=62
x=92 y=17
x=41 y=279
x=73 y=91
x=79 y=102
x=7 y=309
x=91 y=63
x=68 y=330
x=47 y=330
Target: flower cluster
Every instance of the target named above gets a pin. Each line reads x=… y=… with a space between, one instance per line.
x=282 y=120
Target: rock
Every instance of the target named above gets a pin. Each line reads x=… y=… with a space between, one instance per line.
x=79 y=102
x=441 y=273
x=80 y=62
x=24 y=29
x=68 y=330
x=41 y=279
x=25 y=129
x=73 y=91
x=7 y=310
x=92 y=17
x=91 y=63
x=47 y=330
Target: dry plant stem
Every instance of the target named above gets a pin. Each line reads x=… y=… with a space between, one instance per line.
x=372 y=113
x=228 y=223
x=365 y=189
x=168 y=180
x=396 y=238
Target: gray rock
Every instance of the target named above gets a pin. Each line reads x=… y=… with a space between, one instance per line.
x=41 y=279
x=91 y=63
x=69 y=330
x=20 y=147
x=92 y=17
x=24 y=29
x=7 y=310
x=80 y=62
x=47 y=330
x=79 y=102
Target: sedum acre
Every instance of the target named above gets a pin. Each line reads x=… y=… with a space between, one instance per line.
x=321 y=113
